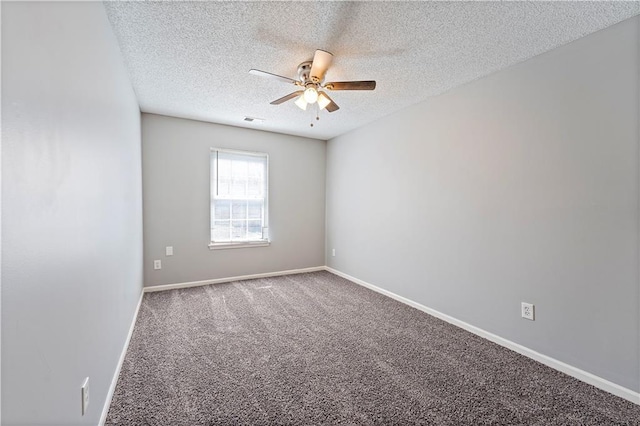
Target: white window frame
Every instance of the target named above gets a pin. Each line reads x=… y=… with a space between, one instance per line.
x=213 y=182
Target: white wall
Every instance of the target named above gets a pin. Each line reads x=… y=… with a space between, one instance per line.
x=521 y=186
x=72 y=210
x=175 y=164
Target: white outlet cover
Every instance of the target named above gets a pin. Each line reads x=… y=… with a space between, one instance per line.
x=84 y=390
x=157 y=264
x=333 y=252
x=528 y=311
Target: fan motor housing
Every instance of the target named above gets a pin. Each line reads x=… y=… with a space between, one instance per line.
x=303 y=72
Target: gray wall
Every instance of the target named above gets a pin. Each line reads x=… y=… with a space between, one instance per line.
x=175 y=165
x=72 y=210
x=521 y=186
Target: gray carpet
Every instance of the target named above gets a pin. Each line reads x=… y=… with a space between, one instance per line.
x=315 y=349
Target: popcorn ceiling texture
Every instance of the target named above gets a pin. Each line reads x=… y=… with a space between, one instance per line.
x=191 y=60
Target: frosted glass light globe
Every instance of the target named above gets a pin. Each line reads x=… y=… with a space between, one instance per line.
x=310 y=95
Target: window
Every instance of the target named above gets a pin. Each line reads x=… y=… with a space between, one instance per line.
x=239 y=199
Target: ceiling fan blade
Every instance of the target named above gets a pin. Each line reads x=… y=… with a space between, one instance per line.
x=271 y=75
x=351 y=85
x=286 y=98
x=332 y=107
x=329 y=105
x=321 y=63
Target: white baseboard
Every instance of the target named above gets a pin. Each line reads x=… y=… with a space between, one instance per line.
x=114 y=381
x=229 y=279
x=570 y=370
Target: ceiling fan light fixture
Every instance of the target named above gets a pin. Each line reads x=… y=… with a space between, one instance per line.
x=301 y=102
x=310 y=83
x=323 y=100
x=310 y=95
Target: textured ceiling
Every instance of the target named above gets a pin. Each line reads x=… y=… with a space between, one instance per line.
x=191 y=59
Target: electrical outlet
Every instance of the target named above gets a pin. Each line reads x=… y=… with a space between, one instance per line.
x=333 y=252
x=169 y=251
x=84 y=392
x=528 y=311
x=157 y=264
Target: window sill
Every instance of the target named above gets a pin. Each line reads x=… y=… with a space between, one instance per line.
x=243 y=244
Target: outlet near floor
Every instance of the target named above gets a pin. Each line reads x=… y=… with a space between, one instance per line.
x=528 y=311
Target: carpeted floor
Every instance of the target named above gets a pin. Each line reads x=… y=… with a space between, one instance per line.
x=315 y=349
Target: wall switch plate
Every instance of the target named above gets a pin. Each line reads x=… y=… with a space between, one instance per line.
x=528 y=311
x=333 y=252
x=84 y=392
x=157 y=264
x=169 y=251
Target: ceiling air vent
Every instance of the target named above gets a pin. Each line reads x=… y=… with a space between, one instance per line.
x=254 y=120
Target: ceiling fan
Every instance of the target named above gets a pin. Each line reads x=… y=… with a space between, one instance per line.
x=311 y=82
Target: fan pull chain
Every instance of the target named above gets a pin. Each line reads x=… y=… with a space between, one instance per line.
x=317 y=113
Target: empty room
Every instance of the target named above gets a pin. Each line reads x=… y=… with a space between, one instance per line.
x=320 y=212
